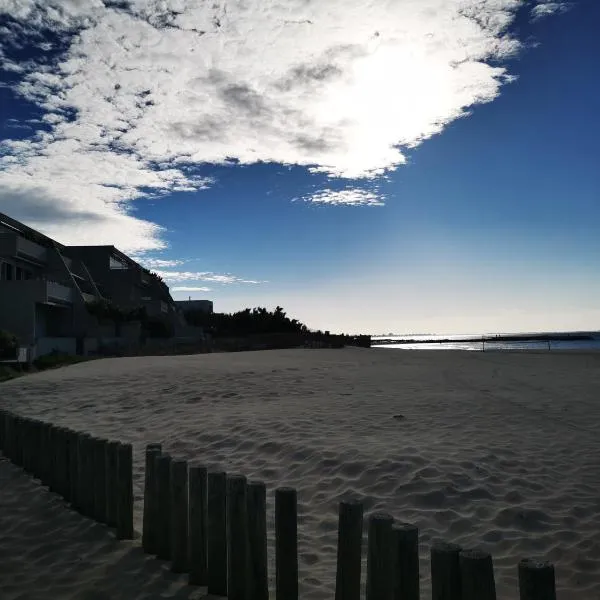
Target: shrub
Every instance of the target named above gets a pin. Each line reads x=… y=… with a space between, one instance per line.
x=8 y=345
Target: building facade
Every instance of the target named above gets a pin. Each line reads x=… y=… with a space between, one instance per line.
x=46 y=290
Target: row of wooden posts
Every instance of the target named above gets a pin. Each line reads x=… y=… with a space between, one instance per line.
x=93 y=474
x=213 y=526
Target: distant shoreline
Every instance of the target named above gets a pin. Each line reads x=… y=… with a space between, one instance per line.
x=554 y=337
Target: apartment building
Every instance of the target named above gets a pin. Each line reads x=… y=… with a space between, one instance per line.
x=45 y=289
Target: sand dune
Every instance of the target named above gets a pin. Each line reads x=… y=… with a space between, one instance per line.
x=495 y=450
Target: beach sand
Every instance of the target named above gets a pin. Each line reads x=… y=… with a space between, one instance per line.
x=495 y=450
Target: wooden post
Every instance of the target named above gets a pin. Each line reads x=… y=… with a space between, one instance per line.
x=37 y=449
x=257 y=541
x=217 y=533
x=286 y=543
x=66 y=458
x=57 y=476
x=536 y=580
x=445 y=572
x=85 y=491
x=18 y=458
x=237 y=538
x=150 y=518
x=380 y=583
x=179 y=516
x=125 y=492
x=112 y=482
x=25 y=444
x=406 y=561
x=477 y=575
x=46 y=459
x=163 y=480
x=349 y=551
x=100 y=500
x=198 y=526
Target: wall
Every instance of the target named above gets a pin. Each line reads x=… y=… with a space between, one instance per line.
x=17 y=308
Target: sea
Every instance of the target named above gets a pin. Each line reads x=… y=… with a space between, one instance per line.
x=539 y=342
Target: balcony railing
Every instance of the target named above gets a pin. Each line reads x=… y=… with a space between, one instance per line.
x=57 y=291
x=37 y=290
x=11 y=244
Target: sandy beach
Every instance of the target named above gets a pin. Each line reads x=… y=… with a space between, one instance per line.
x=495 y=450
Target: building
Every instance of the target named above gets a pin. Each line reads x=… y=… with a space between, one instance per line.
x=200 y=305
x=46 y=290
x=123 y=281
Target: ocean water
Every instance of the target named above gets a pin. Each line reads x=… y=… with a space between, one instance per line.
x=433 y=342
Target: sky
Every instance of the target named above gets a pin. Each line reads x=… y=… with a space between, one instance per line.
x=374 y=166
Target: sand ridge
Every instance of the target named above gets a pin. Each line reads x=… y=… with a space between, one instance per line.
x=497 y=450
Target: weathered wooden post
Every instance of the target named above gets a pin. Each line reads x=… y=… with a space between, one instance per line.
x=179 y=516
x=73 y=467
x=151 y=517
x=100 y=500
x=257 y=541
x=536 y=580
x=477 y=575
x=18 y=460
x=163 y=478
x=25 y=444
x=46 y=455
x=66 y=458
x=198 y=525
x=37 y=449
x=55 y=449
x=349 y=551
x=125 y=492
x=86 y=489
x=445 y=572
x=217 y=533
x=286 y=543
x=112 y=482
x=237 y=538
x=380 y=582
x=406 y=561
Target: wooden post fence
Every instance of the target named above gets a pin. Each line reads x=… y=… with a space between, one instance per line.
x=163 y=476
x=349 y=551
x=379 y=558
x=257 y=540
x=198 y=495
x=217 y=533
x=179 y=516
x=237 y=539
x=223 y=541
x=405 y=538
x=286 y=543
x=151 y=516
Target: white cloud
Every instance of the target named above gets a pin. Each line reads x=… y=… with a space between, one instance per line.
x=546 y=8
x=175 y=276
x=349 y=197
x=190 y=289
x=147 y=88
x=159 y=263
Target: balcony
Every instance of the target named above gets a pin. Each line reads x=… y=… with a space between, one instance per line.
x=11 y=244
x=36 y=290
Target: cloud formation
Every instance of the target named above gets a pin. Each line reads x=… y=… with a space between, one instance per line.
x=348 y=197
x=227 y=278
x=546 y=8
x=135 y=93
x=190 y=289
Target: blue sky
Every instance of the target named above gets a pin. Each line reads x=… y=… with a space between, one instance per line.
x=372 y=167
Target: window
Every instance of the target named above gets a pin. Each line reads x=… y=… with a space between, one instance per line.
x=19 y=274
x=115 y=263
x=8 y=272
